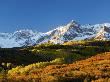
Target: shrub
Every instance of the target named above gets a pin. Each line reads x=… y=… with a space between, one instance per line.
x=58 y=61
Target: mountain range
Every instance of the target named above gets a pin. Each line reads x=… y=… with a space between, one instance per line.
x=71 y=31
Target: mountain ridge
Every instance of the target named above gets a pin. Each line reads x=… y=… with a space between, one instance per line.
x=68 y=32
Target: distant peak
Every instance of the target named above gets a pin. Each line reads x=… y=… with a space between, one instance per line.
x=72 y=23
x=107 y=24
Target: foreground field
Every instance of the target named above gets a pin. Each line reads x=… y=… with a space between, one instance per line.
x=83 y=61
x=94 y=69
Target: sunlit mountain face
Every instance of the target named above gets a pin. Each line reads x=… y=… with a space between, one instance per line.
x=71 y=31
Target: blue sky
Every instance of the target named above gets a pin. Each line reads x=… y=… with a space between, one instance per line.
x=44 y=15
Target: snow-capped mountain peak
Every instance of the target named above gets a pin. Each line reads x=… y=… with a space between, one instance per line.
x=68 y=32
x=19 y=38
x=104 y=33
x=72 y=24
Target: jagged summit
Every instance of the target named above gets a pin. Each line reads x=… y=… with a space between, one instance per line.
x=68 y=32
x=72 y=23
x=104 y=33
x=19 y=38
